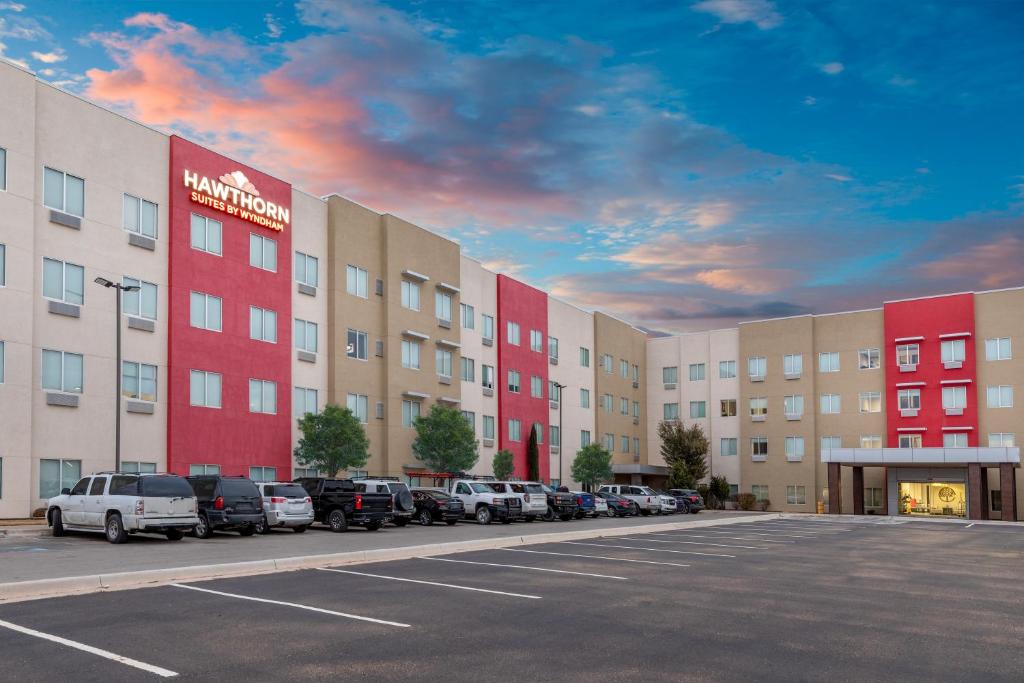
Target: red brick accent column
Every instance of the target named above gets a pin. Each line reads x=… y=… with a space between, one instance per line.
x=1008 y=490
x=975 y=491
x=858 y=490
x=835 y=488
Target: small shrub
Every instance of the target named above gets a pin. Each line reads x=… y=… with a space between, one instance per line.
x=746 y=501
x=39 y=513
x=763 y=505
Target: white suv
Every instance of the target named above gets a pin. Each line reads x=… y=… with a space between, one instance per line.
x=531 y=494
x=121 y=503
x=644 y=498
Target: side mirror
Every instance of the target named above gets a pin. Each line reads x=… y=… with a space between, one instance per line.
x=65 y=492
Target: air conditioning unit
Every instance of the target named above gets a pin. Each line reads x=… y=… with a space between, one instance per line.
x=908 y=413
x=758 y=418
x=670 y=385
x=908 y=368
x=953 y=365
x=756 y=378
x=954 y=411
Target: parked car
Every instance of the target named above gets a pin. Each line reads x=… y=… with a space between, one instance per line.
x=534 y=500
x=668 y=504
x=122 y=503
x=694 y=501
x=437 y=506
x=284 y=505
x=226 y=504
x=337 y=504
x=618 y=506
x=483 y=504
x=561 y=504
x=401 y=499
x=585 y=505
x=600 y=506
x=645 y=500
x=682 y=502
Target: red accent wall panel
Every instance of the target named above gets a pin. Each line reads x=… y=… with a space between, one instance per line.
x=528 y=307
x=230 y=436
x=936 y=319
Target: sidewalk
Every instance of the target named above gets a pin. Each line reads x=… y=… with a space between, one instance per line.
x=10 y=528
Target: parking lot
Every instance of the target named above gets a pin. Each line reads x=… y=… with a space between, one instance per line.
x=766 y=600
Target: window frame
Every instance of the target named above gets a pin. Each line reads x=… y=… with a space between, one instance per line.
x=64 y=191
x=362 y=277
x=63 y=372
x=993 y=342
x=263 y=385
x=63 y=281
x=139 y=395
x=262 y=315
x=207 y=375
x=140 y=203
x=825 y=361
x=263 y=241
x=304 y=258
x=206 y=311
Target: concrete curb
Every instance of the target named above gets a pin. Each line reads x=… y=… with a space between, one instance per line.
x=79 y=585
x=27 y=531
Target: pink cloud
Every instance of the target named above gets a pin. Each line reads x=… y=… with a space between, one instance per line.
x=992 y=265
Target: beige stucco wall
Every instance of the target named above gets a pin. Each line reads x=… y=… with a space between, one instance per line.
x=622 y=341
x=479 y=290
x=574 y=328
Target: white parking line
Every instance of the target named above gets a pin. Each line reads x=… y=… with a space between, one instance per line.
x=430 y=583
x=781 y=533
x=717 y=545
x=127 y=661
x=594 y=557
x=734 y=538
x=292 y=604
x=657 y=550
x=821 y=527
x=520 y=566
x=747 y=533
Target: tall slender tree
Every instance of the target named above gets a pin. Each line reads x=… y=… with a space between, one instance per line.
x=533 y=457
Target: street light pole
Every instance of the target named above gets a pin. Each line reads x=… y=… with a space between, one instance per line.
x=561 y=437
x=118 y=288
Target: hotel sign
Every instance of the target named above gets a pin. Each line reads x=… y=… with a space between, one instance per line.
x=235 y=195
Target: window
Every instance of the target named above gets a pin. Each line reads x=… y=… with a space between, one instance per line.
x=205 y=311
x=304 y=401
x=698 y=410
x=513 y=381
x=207 y=235
x=696 y=372
x=262 y=396
x=830 y=404
x=537 y=386
x=410 y=354
x=3 y=265
x=606 y=363
x=757 y=366
x=56 y=475
x=307 y=269
x=410 y=412
x=3 y=168
x=555 y=436
x=728 y=406
x=954 y=398
x=584 y=437
x=138 y=381
x=306 y=337
x=910 y=441
x=536 y=341
x=468 y=316
x=584 y=398
x=873 y=497
x=608 y=442
x=828 y=362
x=670 y=375
x=488 y=425
x=796 y=495
x=514 y=430
x=552 y=347
x=204 y=389
x=624 y=368
x=359 y=404
x=262 y=252
x=624 y=444
x=869 y=359
x=487 y=376
x=760 y=491
x=257 y=473
x=470 y=418
x=584 y=357
x=62 y=371
x=830 y=442
x=139 y=216
x=1000 y=396
x=606 y=402
x=793 y=364
x=538 y=429
x=554 y=391
x=670 y=411
x=636 y=409
x=953 y=351
x=2 y=349
x=1000 y=440
x=63 y=191
x=759 y=445
x=443 y=360
x=995 y=349
x=728 y=446
x=726 y=369
x=63 y=281
x=908 y=354
x=356 y=347
x=356 y=281
x=871 y=402
x=467 y=369
x=624 y=405
x=138 y=467
x=194 y=470
x=793 y=405
x=758 y=407
x=487 y=323
x=794 y=447
x=141 y=303
x=263 y=325
x=411 y=295
x=873 y=441
x=512 y=333
x=443 y=306
x=954 y=440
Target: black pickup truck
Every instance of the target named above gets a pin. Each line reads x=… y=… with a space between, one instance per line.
x=337 y=504
x=560 y=504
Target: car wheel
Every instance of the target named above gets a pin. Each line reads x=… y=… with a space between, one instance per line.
x=483 y=515
x=247 y=530
x=174 y=535
x=565 y=518
x=337 y=521
x=611 y=513
x=115 y=529
x=374 y=526
x=645 y=513
x=580 y=514
x=549 y=515
x=426 y=519
x=451 y=522
x=530 y=518
x=400 y=521
x=300 y=529
x=694 y=511
x=506 y=520
x=262 y=527
x=636 y=510
x=58 y=523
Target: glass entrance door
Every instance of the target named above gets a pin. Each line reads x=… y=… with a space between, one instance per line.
x=933 y=498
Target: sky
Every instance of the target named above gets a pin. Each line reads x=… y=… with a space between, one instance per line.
x=683 y=165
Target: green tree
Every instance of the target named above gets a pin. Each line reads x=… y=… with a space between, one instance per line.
x=445 y=441
x=684 y=444
x=533 y=457
x=679 y=476
x=719 y=489
x=592 y=465
x=332 y=440
x=503 y=465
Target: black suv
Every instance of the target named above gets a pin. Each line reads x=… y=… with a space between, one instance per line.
x=226 y=503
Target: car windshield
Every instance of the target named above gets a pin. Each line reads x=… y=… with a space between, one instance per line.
x=646 y=491
x=546 y=489
x=165 y=486
x=437 y=495
x=238 y=488
x=481 y=488
x=534 y=488
x=287 y=490
x=397 y=488
x=497 y=488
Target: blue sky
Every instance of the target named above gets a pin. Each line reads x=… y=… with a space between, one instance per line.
x=681 y=164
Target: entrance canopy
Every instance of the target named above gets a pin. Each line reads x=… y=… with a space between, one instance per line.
x=886 y=457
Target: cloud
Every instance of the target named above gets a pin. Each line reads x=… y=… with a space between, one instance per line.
x=51 y=57
x=761 y=13
x=992 y=264
x=12 y=7
x=832 y=68
x=838 y=177
x=274 y=29
x=810 y=100
x=902 y=81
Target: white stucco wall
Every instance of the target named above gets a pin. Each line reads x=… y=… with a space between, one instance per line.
x=574 y=328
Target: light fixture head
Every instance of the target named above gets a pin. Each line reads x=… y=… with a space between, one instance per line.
x=103 y=281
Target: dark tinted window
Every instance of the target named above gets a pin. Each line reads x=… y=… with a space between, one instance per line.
x=126 y=485
x=338 y=486
x=98 y=484
x=534 y=488
x=397 y=488
x=81 y=487
x=204 y=488
x=238 y=488
x=286 y=490
x=437 y=495
x=166 y=486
